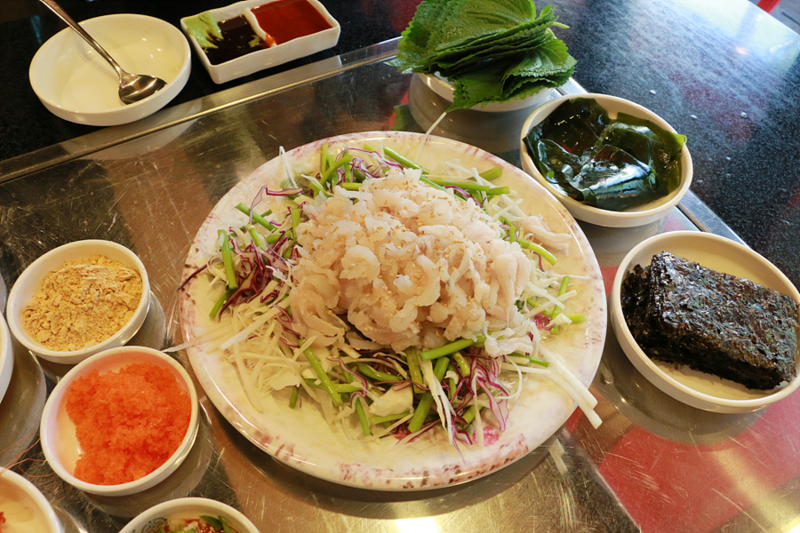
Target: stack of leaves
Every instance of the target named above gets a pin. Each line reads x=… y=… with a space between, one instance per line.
x=490 y=50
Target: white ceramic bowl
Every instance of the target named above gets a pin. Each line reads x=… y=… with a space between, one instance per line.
x=29 y=284
x=186 y=508
x=16 y=491
x=6 y=357
x=445 y=89
x=60 y=443
x=268 y=57
x=698 y=389
x=637 y=216
x=75 y=83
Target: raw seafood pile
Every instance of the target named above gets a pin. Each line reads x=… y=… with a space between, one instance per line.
x=391 y=297
x=406 y=266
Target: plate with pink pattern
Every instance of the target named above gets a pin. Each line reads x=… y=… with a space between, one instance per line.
x=301 y=437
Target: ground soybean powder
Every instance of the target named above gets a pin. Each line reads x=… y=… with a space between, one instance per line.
x=82 y=303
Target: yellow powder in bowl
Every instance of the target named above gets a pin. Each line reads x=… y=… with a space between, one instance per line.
x=82 y=303
x=128 y=423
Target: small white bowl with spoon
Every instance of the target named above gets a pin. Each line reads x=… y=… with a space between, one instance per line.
x=77 y=82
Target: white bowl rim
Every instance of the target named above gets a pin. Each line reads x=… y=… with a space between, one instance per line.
x=6 y=356
x=616 y=310
x=41 y=502
x=169 y=505
x=186 y=62
x=13 y=296
x=445 y=89
x=630 y=215
x=137 y=485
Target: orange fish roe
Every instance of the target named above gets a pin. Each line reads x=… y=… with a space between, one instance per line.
x=128 y=423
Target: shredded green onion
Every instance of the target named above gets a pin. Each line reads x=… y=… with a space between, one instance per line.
x=259 y=219
x=377 y=375
x=491 y=174
x=227 y=260
x=498 y=190
x=463 y=184
x=421 y=412
x=327 y=385
x=375 y=420
x=463 y=367
x=362 y=417
x=347 y=158
x=403 y=160
x=448 y=349
x=412 y=358
x=550 y=258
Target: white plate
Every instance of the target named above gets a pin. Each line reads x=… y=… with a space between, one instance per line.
x=691 y=387
x=302 y=439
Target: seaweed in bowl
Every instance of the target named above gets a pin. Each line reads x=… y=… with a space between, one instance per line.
x=681 y=312
x=613 y=164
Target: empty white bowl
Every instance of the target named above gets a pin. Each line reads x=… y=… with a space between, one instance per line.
x=698 y=389
x=445 y=89
x=187 y=508
x=29 y=284
x=268 y=57
x=60 y=443
x=6 y=357
x=75 y=83
x=25 y=508
x=637 y=216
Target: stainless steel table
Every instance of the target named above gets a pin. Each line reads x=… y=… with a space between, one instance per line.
x=655 y=464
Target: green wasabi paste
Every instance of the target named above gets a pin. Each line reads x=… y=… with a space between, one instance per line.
x=204 y=29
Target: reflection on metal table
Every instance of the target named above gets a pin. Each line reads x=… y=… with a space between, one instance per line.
x=654 y=464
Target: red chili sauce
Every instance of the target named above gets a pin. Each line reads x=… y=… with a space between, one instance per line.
x=285 y=20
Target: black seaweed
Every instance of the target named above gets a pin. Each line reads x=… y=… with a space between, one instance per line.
x=679 y=311
x=576 y=125
x=611 y=164
x=238 y=39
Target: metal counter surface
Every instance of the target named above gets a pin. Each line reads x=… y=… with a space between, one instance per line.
x=654 y=465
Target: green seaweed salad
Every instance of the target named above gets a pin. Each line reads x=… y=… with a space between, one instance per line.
x=490 y=50
x=612 y=164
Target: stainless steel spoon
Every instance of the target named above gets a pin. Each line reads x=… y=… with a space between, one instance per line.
x=132 y=87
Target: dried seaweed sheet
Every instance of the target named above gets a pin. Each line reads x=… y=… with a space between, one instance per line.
x=679 y=311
